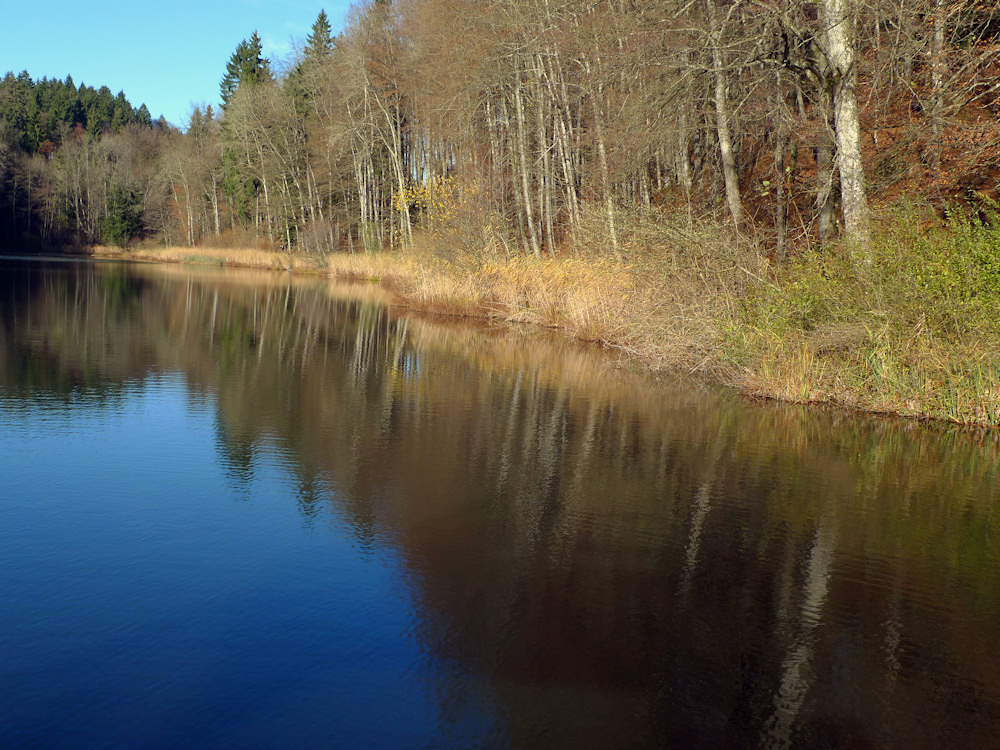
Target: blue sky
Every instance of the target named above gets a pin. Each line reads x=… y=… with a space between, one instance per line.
x=169 y=55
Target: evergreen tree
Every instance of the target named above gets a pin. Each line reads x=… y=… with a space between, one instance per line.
x=100 y=110
x=123 y=220
x=122 y=113
x=246 y=65
x=301 y=83
x=320 y=41
x=19 y=108
x=40 y=112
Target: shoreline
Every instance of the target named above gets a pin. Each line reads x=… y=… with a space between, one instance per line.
x=692 y=314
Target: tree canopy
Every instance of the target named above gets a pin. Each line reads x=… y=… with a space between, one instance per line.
x=44 y=111
x=527 y=126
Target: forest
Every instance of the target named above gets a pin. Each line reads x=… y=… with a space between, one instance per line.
x=509 y=127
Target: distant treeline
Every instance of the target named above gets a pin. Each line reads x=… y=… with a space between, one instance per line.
x=40 y=114
x=72 y=165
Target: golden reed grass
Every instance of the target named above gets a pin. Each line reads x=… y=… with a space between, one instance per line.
x=235 y=257
x=600 y=300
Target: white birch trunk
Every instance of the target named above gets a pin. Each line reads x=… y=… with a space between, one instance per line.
x=847 y=123
x=726 y=151
x=937 y=86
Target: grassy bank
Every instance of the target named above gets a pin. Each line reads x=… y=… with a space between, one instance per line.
x=658 y=301
x=236 y=257
x=914 y=332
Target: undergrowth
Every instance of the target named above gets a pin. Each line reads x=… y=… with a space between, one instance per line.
x=914 y=331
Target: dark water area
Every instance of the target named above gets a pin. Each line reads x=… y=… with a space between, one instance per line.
x=245 y=510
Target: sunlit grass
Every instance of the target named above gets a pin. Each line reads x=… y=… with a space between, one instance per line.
x=657 y=309
x=248 y=257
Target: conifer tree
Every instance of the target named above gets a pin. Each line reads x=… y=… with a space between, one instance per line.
x=302 y=80
x=320 y=41
x=123 y=220
x=247 y=65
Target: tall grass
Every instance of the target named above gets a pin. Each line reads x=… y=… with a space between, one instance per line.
x=242 y=257
x=914 y=331
x=658 y=301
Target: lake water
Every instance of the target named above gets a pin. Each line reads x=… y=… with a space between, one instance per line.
x=246 y=510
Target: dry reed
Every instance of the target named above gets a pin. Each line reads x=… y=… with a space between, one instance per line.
x=246 y=257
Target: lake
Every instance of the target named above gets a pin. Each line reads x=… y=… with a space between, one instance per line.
x=244 y=509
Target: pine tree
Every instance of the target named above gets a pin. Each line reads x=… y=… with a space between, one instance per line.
x=121 y=115
x=247 y=65
x=123 y=220
x=302 y=79
x=101 y=110
x=320 y=41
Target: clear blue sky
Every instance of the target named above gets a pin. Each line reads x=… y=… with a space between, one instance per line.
x=168 y=55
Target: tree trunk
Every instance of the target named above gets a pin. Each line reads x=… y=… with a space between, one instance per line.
x=847 y=123
x=780 y=201
x=937 y=87
x=726 y=151
x=522 y=158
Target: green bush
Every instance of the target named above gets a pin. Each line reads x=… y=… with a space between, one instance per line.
x=913 y=331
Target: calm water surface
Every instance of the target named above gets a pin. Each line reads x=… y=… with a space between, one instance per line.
x=241 y=510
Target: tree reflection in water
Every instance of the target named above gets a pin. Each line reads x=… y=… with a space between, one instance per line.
x=616 y=561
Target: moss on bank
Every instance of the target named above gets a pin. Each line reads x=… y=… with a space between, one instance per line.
x=914 y=332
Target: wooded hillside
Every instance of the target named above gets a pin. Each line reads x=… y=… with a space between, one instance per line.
x=524 y=126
